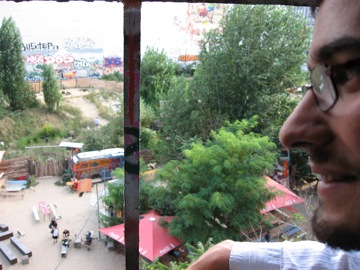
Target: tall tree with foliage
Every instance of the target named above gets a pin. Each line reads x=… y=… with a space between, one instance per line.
x=157 y=71
x=276 y=108
x=258 y=52
x=245 y=69
x=114 y=198
x=184 y=118
x=218 y=188
x=12 y=68
x=51 y=88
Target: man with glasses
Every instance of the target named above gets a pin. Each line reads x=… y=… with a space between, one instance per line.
x=326 y=124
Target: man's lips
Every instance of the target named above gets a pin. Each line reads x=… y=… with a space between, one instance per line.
x=329 y=175
x=334 y=184
x=329 y=178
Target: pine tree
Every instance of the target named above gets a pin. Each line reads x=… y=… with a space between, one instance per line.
x=51 y=88
x=12 y=68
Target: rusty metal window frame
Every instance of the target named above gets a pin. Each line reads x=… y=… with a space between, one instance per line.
x=132 y=53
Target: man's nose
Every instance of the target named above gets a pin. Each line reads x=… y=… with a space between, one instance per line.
x=306 y=126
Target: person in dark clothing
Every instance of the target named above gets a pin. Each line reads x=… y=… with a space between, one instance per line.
x=53 y=223
x=267 y=236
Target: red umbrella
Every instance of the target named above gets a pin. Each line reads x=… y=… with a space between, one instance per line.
x=155 y=241
x=283 y=199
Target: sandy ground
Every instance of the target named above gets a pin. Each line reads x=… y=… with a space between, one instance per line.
x=75 y=97
x=78 y=215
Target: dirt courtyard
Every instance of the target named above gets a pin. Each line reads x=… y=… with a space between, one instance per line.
x=78 y=215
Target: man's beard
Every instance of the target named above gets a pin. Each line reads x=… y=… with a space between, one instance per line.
x=335 y=235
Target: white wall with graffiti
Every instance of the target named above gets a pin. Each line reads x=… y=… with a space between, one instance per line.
x=85 y=39
x=80 y=39
x=72 y=58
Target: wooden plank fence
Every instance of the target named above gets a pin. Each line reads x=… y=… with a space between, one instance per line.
x=81 y=83
x=25 y=166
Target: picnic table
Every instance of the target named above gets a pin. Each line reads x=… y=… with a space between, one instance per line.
x=15 y=185
x=44 y=209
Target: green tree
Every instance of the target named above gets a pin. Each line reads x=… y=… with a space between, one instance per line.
x=12 y=68
x=51 y=88
x=244 y=71
x=184 y=119
x=114 y=202
x=114 y=199
x=259 y=52
x=278 y=107
x=157 y=70
x=218 y=188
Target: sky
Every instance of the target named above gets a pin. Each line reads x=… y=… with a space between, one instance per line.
x=102 y=22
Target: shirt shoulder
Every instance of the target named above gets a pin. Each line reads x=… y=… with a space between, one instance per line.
x=290 y=255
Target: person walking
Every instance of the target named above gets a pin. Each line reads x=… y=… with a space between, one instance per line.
x=55 y=234
x=267 y=237
x=96 y=121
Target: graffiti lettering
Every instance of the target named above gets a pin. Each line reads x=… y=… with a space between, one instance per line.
x=39 y=46
x=110 y=70
x=188 y=57
x=78 y=43
x=113 y=62
x=41 y=59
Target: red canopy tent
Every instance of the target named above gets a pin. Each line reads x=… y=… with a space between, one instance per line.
x=155 y=241
x=285 y=197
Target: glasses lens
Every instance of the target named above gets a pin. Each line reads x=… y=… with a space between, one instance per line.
x=323 y=88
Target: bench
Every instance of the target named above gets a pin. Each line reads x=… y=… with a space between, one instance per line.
x=287 y=228
x=292 y=232
x=16 y=182
x=6 y=235
x=77 y=242
x=20 y=246
x=64 y=247
x=16 y=185
x=4 y=227
x=53 y=211
x=9 y=255
x=12 y=193
x=36 y=214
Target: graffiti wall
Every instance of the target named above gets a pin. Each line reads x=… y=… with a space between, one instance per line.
x=72 y=58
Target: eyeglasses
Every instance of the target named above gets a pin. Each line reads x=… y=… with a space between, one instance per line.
x=328 y=80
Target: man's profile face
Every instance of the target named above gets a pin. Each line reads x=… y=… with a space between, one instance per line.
x=332 y=138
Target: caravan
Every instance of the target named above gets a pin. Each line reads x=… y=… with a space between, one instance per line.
x=96 y=164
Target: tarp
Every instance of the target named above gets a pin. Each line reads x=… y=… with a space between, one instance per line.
x=84 y=185
x=285 y=197
x=155 y=241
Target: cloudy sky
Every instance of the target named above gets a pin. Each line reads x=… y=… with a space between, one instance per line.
x=100 y=21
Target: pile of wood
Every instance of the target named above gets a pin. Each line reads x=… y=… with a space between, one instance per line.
x=15 y=167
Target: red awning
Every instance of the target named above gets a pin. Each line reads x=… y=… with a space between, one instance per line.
x=283 y=199
x=155 y=241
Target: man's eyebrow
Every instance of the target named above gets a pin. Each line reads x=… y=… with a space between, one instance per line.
x=326 y=52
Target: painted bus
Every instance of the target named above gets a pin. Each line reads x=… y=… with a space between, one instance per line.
x=96 y=164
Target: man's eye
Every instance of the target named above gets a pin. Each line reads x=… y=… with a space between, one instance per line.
x=343 y=73
x=341 y=77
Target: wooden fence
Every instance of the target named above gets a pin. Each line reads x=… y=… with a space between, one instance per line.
x=15 y=167
x=81 y=83
x=25 y=166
